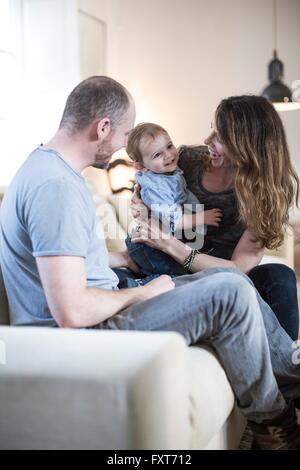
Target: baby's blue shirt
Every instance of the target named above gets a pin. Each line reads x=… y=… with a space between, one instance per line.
x=165 y=194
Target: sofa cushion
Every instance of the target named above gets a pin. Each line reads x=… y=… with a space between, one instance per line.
x=211 y=396
x=113 y=232
x=91 y=389
x=121 y=205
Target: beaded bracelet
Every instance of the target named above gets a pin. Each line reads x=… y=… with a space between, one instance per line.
x=187 y=264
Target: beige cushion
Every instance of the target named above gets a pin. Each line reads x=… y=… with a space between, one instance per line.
x=91 y=389
x=121 y=205
x=113 y=232
x=113 y=390
x=211 y=396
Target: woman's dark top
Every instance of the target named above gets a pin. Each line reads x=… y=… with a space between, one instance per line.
x=218 y=241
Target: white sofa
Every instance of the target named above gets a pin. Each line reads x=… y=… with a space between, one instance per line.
x=88 y=389
x=84 y=389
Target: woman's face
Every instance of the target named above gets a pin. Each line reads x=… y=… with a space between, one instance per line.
x=216 y=149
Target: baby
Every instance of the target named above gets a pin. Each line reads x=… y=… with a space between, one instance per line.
x=164 y=191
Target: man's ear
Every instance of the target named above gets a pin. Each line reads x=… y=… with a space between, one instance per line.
x=103 y=129
x=138 y=166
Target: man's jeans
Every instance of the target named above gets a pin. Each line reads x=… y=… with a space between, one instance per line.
x=220 y=307
x=276 y=283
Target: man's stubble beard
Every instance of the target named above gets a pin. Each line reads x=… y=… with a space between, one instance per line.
x=104 y=154
x=101 y=166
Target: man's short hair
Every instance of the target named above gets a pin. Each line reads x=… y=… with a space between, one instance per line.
x=145 y=129
x=93 y=99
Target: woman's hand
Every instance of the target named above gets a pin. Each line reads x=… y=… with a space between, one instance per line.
x=150 y=231
x=138 y=208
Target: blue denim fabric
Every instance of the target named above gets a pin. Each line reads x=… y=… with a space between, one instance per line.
x=153 y=262
x=277 y=285
x=220 y=307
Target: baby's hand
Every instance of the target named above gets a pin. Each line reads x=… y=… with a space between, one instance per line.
x=213 y=217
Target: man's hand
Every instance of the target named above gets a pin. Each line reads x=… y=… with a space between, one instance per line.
x=75 y=305
x=156 y=287
x=122 y=259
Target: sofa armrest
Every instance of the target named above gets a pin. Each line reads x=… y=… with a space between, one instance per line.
x=92 y=389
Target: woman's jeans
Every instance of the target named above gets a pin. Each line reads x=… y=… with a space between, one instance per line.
x=277 y=285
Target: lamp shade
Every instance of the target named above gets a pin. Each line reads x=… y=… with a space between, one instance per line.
x=121 y=175
x=277 y=92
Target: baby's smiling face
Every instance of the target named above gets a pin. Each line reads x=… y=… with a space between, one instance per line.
x=159 y=154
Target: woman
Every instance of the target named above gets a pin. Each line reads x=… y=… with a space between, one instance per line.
x=247 y=173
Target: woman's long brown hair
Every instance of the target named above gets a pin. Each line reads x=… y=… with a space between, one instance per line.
x=266 y=183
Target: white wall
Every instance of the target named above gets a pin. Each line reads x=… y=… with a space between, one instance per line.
x=51 y=66
x=181 y=57
x=45 y=69
x=10 y=83
x=105 y=10
x=177 y=57
x=48 y=68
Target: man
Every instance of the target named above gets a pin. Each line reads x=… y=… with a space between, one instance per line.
x=56 y=268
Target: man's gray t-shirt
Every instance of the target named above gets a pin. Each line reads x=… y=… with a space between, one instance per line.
x=48 y=211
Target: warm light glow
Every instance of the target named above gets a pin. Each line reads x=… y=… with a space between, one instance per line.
x=121 y=176
x=120 y=154
x=290 y=106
